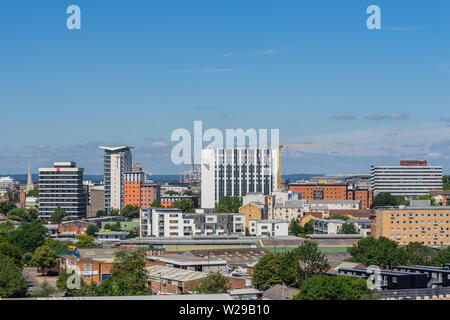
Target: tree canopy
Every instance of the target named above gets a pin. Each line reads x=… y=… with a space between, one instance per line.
x=267 y=271
x=12 y=283
x=301 y=263
x=58 y=215
x=29 y=236
x=229 y=204
x=131 y=211
x=6 y=206
x=386 y=199
x=186 y=205
x=348 y=228
x=215 y=283
x=325 y=287
x=85 y=241
x=44 y=257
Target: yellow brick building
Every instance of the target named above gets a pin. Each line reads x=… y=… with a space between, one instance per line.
x=252 y=211
x=427 y=225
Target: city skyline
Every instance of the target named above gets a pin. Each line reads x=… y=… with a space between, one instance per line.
x=312 y=70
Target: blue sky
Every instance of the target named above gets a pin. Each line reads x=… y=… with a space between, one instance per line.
x=137 y=70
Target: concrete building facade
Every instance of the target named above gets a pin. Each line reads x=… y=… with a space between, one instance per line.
x=117 y=161
x=406 y=180
x=62 y=186
x=237 y=172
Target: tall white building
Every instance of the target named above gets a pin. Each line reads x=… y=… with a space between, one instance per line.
x=237 y=172
x=117 y=161
x=415 y=178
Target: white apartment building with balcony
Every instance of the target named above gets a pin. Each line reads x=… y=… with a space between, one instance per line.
x=169 y=222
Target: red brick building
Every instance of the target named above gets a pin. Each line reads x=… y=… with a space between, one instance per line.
x=333 y=192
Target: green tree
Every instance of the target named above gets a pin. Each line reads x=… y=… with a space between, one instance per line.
x=294 y=227
x=100 y=213
x=114 y=212
x=91 y=230
x=61 y=282
x=301 y=263
x=446 y=182
x=229 y=204
x=443 y=256
x=131 y=211
x=324 y=287
x=12 y=283
x=308 y=228
x=418 y=254
x=33 y=193
x=58 y=215
x=172 y=193
x=384 y=199
x=19 y=214
x=29 y=236
x=11 y=251
x=46 y=289
x=348 y=228
x=44 y=257
x=85 y=241
x=382 y=252
x=267 y=271
x=215 y=283
x=113 y=226
x=128 y=275
x=186 y=205
x=6 y=206
x=156 y=204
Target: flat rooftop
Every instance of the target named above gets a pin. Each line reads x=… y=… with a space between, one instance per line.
x=186 y=259
x=176 y=274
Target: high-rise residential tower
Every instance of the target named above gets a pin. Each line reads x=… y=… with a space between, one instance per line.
x=117 y=161
x=62 y=186
x=237 y=172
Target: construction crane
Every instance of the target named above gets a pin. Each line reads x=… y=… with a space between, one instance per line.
x=280 y=146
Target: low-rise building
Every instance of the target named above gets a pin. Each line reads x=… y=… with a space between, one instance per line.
x=167 y=280
x=92 y=265
x=252 y=211
x=110 y=237
x=333 y=226
x=189 y=262
x=270 y=228
x=166 y=222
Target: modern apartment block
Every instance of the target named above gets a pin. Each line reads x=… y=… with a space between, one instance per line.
x=166 y=222
x=333 y=226
x=139 y=193
x=62 y=186
x=117 y=161
x=411 y=179
x=318 y=191
x=428 y=225
x=237 y=172
x=268 y=228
